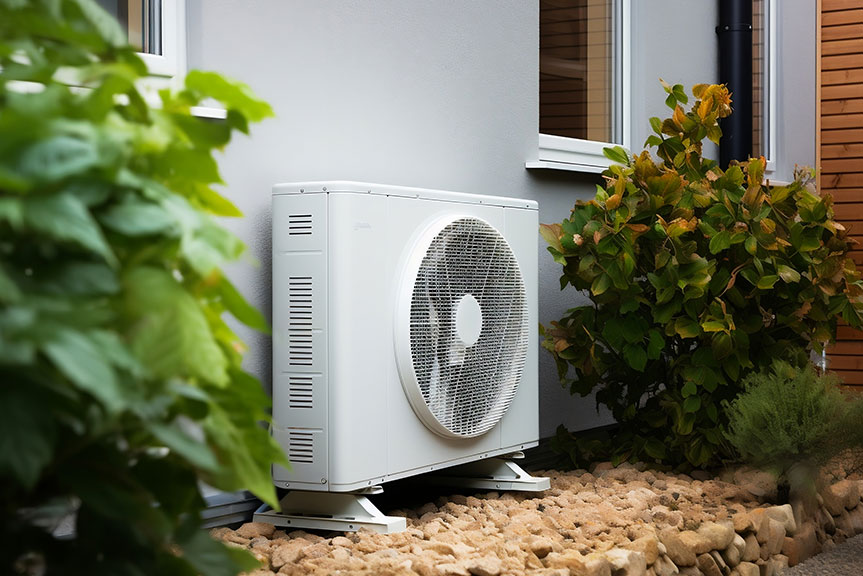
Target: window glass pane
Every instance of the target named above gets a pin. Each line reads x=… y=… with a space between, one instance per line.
x=759 y=78
x=576 y=69
x=142 y=19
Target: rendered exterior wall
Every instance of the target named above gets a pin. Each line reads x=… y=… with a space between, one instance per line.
x=439 y=94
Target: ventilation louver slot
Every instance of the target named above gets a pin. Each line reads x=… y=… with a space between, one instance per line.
x=299 y=224
x=300 y=301
x=301 y=447
x=300 y=348
x=300 y=392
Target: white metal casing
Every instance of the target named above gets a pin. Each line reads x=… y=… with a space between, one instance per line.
x=339 y=408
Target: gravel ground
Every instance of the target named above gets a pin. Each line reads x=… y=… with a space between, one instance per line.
x=844 y=560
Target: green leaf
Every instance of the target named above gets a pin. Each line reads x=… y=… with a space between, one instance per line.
x=27 y=432
x=654 y=448
x=787 y=274
x=170 y=334
x=76 y=356
x=766 y=282
x=600 y=284
x=656 y=124
x=720 y=242
x=64 y=217
x=59 y=157
x=635 y=356
x=196 y=452
x=139 y=218
x=655 y=344
x=751 y=245
x=208 y=247
x=616 y=154
x=234 y=95
x=237 y=305
x=713 y=326
x=689 y=388
x=214 y=558
x=692 y=404
x=687 y=328
x=107 y=27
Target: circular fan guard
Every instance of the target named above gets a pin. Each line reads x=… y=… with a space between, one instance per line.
x=462 y=390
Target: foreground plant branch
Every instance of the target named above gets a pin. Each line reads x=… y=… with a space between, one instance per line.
x=122 y=387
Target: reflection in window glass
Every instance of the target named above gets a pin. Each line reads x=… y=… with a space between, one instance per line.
x=142 y=19
x=759 y=78
x=576 y=69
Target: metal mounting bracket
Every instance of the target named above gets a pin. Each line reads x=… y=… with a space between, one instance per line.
x=330 y=511
x=490 y=474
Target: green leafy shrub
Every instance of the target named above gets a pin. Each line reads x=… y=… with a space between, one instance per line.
x=791 y=421
x=120 y=381
x=695 y=275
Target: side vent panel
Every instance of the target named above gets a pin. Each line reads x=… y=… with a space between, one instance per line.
x=301 y=392
x=300 y=407
x=301 y=447
x=300 y=224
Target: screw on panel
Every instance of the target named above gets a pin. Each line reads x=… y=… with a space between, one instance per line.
x=323 y=480
x=324 y=188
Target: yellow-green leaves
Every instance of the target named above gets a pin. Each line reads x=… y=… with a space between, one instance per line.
x=695 y=276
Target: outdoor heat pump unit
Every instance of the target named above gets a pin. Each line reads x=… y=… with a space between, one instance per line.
x=404 y=343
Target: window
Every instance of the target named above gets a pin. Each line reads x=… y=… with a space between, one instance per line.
x=764 y=80
x=156 y=28
x=583 y=82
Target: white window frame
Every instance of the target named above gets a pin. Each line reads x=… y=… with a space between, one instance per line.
x=574 y=154
x=171 y=63
x=771 y=31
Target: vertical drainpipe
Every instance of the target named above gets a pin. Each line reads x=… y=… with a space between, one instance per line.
x=735 y=71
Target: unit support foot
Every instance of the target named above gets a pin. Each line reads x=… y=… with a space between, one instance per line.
x=490 y=474
x=329 y=511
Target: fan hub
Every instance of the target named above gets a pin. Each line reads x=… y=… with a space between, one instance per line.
x=468 y=320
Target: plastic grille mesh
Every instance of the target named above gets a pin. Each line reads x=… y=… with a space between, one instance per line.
x=468 y=388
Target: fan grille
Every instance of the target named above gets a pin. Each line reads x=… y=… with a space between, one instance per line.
x=468 y=388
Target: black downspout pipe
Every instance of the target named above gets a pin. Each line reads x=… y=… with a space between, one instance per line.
x=735 y=71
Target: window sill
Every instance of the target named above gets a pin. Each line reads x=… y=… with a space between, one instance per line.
x=566 y=166
x=570 y=154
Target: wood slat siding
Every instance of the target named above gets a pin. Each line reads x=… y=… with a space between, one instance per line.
x=841 y=149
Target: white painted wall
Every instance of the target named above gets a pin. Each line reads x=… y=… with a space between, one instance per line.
x=439 y=94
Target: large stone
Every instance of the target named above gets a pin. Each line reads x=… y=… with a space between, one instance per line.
x=855 y=517
x=752 y=551
x=731 y=555
x=626 y=562
x=844 y=494
x=452 y=569
x=647 y=545
x=256 y=529
x=288 y=552
x=747 y=569
x=718 y=535
x=485 y=566
x=542 y=547
x=708 y=566
x=680 y=552
x=758 y=483
x=776 y=536
x=784 y=514
x=802 y=545
x=664 y=567
x=740 y=543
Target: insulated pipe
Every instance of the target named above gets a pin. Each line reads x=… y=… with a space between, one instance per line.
x=735 y=71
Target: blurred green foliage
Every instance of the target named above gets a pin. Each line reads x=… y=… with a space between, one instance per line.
x=791 y=421
x=120 y=381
